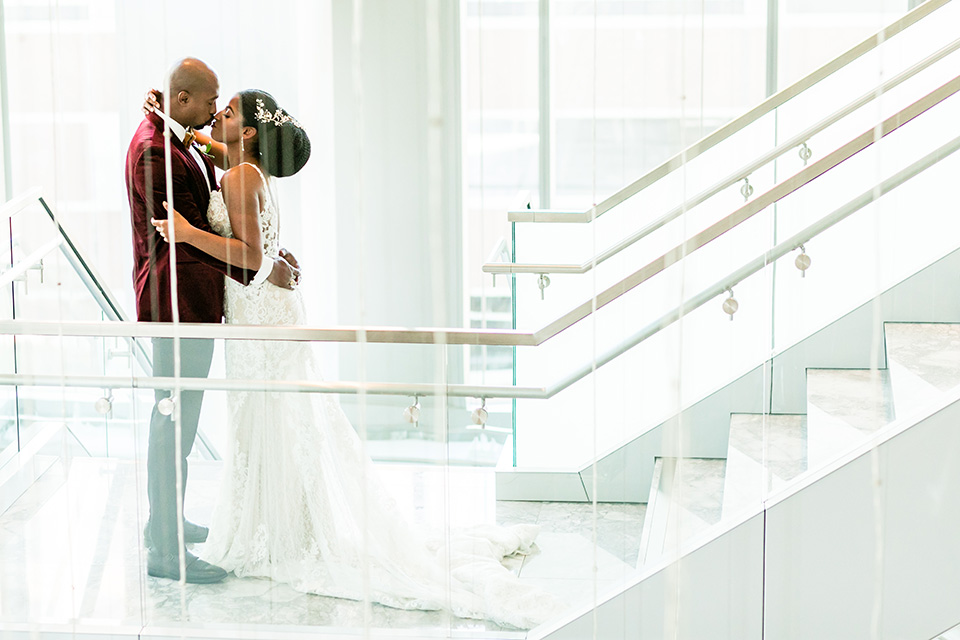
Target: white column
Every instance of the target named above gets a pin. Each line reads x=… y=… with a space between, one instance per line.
x=396 y=109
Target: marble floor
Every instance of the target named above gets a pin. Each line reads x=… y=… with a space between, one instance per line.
x=72 y=556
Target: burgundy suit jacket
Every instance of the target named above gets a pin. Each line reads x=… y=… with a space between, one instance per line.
x=199 y=276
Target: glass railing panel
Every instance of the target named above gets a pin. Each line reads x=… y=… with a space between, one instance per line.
x=894 y=237
x=9 y=428
x=101 y=423
x=834 y=368
x=435 y=488
x=835 y=389
x=439 y=471
x=793 y=117
x=51 y=289
x=577 y=244
x=383 y=418
x=99 y=500
x=9 y=423
x=701 y=174
x=614 y=120
x=501 y=164
x=71 y=538
x=766 y=431
x=813 y=33
x=857 y=175
x=632 y=393
x=535 y=311
x=866 y=116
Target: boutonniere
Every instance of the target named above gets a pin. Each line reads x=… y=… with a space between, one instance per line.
x=207 y=149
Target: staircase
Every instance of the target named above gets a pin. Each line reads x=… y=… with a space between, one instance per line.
x=814 y=524
x=767 y=452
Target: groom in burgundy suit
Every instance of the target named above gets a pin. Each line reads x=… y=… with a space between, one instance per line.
x=193 y=92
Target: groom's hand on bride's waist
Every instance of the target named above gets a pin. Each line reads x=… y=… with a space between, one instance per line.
x=286 y=271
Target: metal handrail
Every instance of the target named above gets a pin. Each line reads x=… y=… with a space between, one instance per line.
x=491 y=266
x=727 y=130
x=15 y=205
x=448 y=336
x=499 y=250
x=377 y=335
x=30 y=262
x=484 y=391
x=776 y=193
x=306 y=386
x=109 y=305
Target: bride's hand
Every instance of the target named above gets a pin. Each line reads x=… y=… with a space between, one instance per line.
x=181 y=228
x=152 y=101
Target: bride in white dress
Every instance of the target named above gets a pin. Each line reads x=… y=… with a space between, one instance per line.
x=300 y=502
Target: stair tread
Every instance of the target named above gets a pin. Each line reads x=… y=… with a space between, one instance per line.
x=860 y=398
x=688 y=499
x=844 y=406
x=930 y=351
x=776 y=441
x=765 y=451
x=698 y=487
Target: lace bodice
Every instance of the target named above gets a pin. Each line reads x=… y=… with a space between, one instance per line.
x=219 y=218
x=263 y=304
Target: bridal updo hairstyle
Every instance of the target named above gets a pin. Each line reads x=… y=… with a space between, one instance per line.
x=282 y=144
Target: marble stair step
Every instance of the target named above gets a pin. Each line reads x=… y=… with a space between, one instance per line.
x=764 y=453
x=844 y=406
x=686 y=498
x=924 y=362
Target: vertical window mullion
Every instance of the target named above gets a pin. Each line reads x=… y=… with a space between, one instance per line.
x=545 y=115
x=773 y=30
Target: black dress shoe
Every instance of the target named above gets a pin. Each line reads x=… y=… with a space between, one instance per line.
x=192 y=534
x=160 y=565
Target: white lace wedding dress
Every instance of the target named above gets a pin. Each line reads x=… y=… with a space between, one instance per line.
x=300 y=503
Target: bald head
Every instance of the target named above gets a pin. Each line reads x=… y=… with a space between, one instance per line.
x=194 y=89
x=191 y=75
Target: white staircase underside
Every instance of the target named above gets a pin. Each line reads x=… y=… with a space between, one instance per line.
x=835 y=515
x=863 y=548
x=624 y=473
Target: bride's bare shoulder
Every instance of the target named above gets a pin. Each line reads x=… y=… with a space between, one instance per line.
x=244 y=176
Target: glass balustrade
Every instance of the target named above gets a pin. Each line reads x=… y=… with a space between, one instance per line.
x=885 y=263
x=714 y=419
x=545 y=243
x=867 y=267
x=435 y=452
x=842 y=104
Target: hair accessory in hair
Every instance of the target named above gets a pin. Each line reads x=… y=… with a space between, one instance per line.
x=278 y=118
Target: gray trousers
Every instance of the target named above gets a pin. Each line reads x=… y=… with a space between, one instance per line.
x=195 y=358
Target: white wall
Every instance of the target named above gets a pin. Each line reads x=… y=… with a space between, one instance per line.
x=870 y=550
